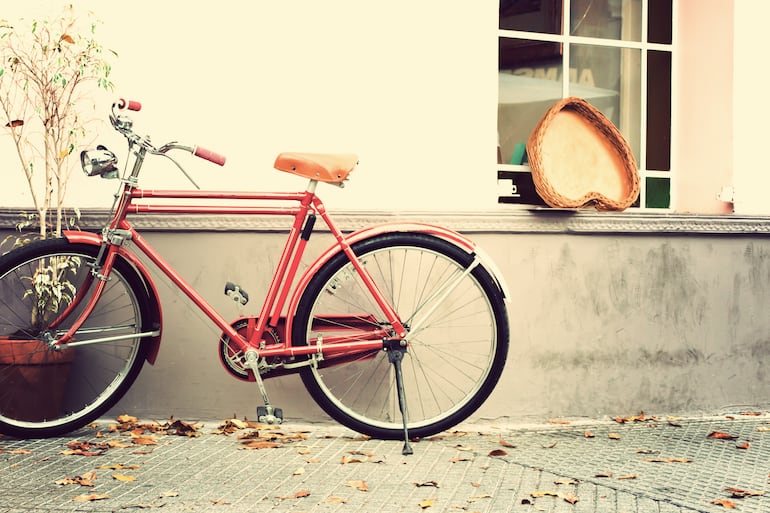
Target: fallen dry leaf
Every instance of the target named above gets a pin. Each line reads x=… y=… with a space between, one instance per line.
x=19 y=451
x=358 y=485
x=336 y=500
x=86 y=479
x=427 y=483
x=629 y=476
x=182 y=428
x=362 y=453
x=544 y=493
x=77 y=448
x=144 y=440
x=559 y=422
x=668 y=460
x=613 y=436
x=427 y=503
x=218 y=502
x=740 y=494
x=603 y=474
x=297 y=495
x=119 y=467
x=721 y=435
x=260 y=444
x=123 y=478
x=299 y=471
x=725 y=503
x=588 y=434
x=565 y=481
x=635 y=418
x=459 y=459
x=744 y=445
x=117 y=444
x=506 y=444
x=92 y=497
x=127 y=419
x=570 y=498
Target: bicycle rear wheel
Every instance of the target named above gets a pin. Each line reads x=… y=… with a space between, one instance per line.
x=48 y=393
x=458 y=335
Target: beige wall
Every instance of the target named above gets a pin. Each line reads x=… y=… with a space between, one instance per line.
x=702 y=149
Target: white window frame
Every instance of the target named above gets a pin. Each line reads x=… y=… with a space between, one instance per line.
x=567 y=40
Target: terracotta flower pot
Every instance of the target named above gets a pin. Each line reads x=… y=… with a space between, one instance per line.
x=32 y=379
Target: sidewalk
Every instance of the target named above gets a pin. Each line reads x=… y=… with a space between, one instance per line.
x=637 y=466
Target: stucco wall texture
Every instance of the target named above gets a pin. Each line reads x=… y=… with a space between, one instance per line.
x=600 y=325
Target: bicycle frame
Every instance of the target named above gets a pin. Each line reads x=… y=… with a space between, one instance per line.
x=304 y=215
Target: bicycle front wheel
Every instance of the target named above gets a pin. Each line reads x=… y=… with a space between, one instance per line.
x=458 y=335
x=48 y=393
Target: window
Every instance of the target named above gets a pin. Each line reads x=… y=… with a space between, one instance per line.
x=615 y=54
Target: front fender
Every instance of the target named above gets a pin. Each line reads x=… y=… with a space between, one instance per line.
x=151 y=293
x=451 y=236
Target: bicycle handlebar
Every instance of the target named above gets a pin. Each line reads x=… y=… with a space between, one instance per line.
x=134 y=105
x=209 y=155
x=126 y=129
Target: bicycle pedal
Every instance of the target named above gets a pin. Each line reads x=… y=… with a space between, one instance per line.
x=236 y=293
x=269 y=415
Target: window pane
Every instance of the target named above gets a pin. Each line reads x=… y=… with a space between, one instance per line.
x=658 y=110
x=658 y=192
x=659 y=21
x=528 y=85
x=610 y=19
x=531 y=15
x=609 y=78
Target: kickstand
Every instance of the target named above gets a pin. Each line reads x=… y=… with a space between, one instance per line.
x=395 y=355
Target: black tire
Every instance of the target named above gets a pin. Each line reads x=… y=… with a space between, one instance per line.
x=46 y=393
x=453 y=361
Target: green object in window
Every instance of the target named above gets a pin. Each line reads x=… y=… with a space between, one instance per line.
x=519 y=156
x=658 y=192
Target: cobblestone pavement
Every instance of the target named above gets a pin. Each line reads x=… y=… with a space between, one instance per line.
x=640 y=465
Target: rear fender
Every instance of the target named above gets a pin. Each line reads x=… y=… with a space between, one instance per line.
x=455 y=238
x=151 y=293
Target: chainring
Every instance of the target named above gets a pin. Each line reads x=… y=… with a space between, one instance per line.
x=233 y=360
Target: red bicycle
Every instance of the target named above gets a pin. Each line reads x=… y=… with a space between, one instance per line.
x=397 y=330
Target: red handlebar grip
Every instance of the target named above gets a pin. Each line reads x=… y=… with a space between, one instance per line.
x=129 y=104
x=209 y=155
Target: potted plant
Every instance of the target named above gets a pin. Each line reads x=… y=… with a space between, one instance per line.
x=50 y=72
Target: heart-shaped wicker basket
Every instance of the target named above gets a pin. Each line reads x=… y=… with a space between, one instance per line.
x=579 y=158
